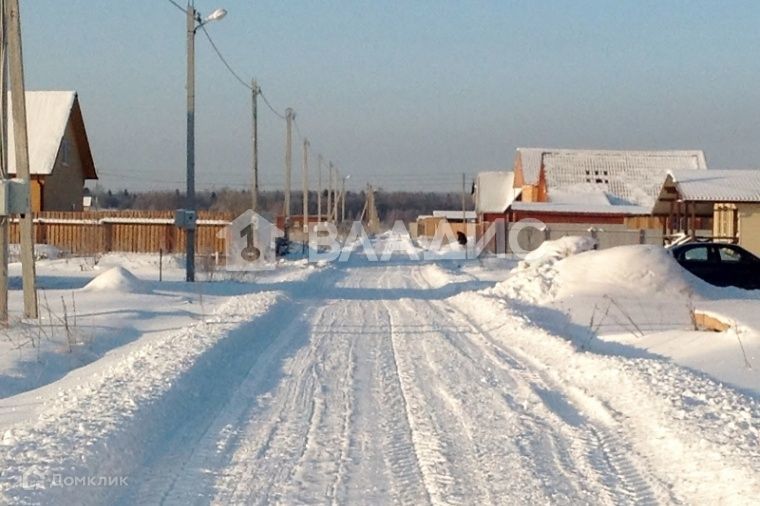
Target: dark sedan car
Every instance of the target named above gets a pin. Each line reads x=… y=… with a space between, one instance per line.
x=720 y=264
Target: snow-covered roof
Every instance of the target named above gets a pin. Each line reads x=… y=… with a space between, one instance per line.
x=580 y=208
x=47 y=114
x=629 y=177
x=455 y=215
x=717 y=185
x=495 y=191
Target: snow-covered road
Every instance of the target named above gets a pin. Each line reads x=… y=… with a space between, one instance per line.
x=370 y=383
x=379 y=390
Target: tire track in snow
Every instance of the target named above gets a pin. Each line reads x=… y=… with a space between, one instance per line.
x=276 y=433
x=325 y=465
x=439 y=480
x=623 y=478
x=185 y=470
x=585 y=443
x=381 y=449
x=400 y=452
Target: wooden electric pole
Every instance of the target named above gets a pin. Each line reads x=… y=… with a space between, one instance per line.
x=319 y=189
x=464 y=215
x=305 y=181
x=21 y=146
x=373 y=221
x=329 y=191
x=3 y=163
x=255 y=182
x=289 y=116
x=336 y=197
x=343 y=199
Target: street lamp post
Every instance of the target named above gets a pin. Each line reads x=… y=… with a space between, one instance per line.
x=194 y=22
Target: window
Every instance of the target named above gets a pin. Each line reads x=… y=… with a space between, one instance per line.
x=696 y=254
x=65 y=152
x=596 y=177
x=729 y=255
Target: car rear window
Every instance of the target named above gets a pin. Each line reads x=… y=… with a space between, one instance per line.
x=729 y=255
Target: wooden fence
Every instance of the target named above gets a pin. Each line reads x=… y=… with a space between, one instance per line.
x=92 y=232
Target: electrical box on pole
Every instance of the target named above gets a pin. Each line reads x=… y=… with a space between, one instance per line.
x=186 y=219
x=14 y=197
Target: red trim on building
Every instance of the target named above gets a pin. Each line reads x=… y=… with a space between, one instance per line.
x=547 y=217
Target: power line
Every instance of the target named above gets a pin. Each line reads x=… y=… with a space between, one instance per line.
x=236 y=75
x=266 y=101
x=178 y=6
x=224 y=60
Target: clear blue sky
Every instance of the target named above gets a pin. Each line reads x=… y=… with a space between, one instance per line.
x=406 y=94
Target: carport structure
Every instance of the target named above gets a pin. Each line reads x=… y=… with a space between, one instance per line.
x=723 y=203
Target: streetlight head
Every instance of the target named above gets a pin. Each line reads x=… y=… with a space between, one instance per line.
x=215 y=16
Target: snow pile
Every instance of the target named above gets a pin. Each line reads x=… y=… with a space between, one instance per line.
x=534 y=279
x=551 y=251
x=639 y=269
x=115 y=279
x=562 y=269
x=639 y=296
x=145 y=265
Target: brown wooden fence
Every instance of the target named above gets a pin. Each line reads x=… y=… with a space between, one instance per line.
x=91 y=232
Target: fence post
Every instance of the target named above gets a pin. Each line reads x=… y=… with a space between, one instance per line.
x=642 y=236
x=161 y=264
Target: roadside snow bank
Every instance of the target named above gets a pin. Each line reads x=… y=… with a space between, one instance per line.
x=640 y=269
x=640 y=297
x=566 y=268
x=552 y=251
x=534 y=278
x=698 y=437
x=102 y=424
x=115 y=279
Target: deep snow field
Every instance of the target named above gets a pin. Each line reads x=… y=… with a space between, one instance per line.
x=572 y=376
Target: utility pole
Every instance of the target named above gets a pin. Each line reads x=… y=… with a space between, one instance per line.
x=336 y=197
x=343 y=199
x=3 y=163
x=18 y=106
x=289 y=116
x=373 y=221
x=255 y=184
x=190 y=190
x=319 y=188
x=329 y=192
x=305 y=180
x=464 y=215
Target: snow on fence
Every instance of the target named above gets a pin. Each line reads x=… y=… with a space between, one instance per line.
x=93 y=232
x=530 y=238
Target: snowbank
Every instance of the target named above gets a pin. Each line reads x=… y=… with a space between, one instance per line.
x=640 y=297
x=115 y=279
x=565 y=268
x=534 y=280
x=640 y=269
x=551 y=251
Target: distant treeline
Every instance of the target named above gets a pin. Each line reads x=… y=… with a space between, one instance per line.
x=391 y=206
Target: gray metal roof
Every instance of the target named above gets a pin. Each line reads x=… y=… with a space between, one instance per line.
x=717 y=185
